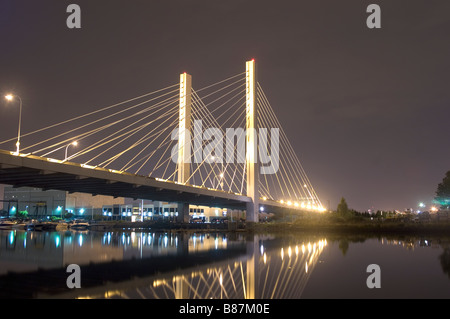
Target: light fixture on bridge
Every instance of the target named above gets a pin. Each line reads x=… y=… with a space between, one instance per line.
x=88 y=166
x=75 y=143
x=10 y=97
x=53 y=160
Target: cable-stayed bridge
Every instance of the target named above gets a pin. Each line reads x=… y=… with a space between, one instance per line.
x=219 y=146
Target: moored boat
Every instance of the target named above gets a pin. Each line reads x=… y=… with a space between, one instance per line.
x=6 y=224
x=79 y=224
x=34 y=225
x=19 y=225
x=62 y=225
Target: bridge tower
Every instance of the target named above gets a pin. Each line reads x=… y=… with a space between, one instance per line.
x=251 y=161
x=184 y=125
x=184 y=140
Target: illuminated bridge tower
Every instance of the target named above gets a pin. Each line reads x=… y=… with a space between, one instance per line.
x=184 y=140
x=252 y=167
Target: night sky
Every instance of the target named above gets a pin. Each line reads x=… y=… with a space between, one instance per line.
x=367 y=110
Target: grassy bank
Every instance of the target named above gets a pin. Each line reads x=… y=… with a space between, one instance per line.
x=306 y=224
x=366 y=226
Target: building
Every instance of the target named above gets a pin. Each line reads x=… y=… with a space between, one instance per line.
x=145 y=210
x=39 y=203
x=44 y=204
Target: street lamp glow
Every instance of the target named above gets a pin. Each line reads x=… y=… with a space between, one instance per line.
x=75 y=143
x=10 y=97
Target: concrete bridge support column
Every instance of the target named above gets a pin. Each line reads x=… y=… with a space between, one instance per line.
x=184 y=129
x=252 y=168
x=183 y=213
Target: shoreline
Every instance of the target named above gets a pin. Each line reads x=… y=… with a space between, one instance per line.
x=351 y=227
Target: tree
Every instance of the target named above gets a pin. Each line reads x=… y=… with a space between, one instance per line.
x=443 y=192
x=22 y=214
x=342 y=208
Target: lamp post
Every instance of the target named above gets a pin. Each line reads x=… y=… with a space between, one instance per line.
x=10 y=97
x=74 y=144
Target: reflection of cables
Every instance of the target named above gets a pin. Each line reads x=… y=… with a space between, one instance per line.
x=272 y=274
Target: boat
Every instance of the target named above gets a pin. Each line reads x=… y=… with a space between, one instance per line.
x=19 y=225
x=79 y=224
x=6 y=224
x=34 y=225
x=62 y=225
x=48 y=225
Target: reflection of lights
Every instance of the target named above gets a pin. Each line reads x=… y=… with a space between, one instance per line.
x=261 y=249
x=306 y=266
x=265 y=258
x=80 y=240
x=11 y=237
x=282 y=253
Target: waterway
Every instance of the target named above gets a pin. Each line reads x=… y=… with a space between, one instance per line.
x=131 y=264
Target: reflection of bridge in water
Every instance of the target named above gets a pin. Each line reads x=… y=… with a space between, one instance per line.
x=263 y=273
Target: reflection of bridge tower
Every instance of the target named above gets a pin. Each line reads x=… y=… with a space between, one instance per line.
x=280 y=273
x=251 y=286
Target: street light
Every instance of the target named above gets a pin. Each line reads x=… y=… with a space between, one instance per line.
x=74 y=144
x=10 y=97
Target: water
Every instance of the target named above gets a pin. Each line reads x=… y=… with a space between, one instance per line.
x=149 y=265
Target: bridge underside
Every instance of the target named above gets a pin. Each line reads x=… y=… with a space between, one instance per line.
x=37 y=172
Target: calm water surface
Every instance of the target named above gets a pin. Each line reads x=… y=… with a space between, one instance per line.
x=148 y=265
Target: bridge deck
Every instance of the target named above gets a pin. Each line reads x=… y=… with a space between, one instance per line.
x=34 y=171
